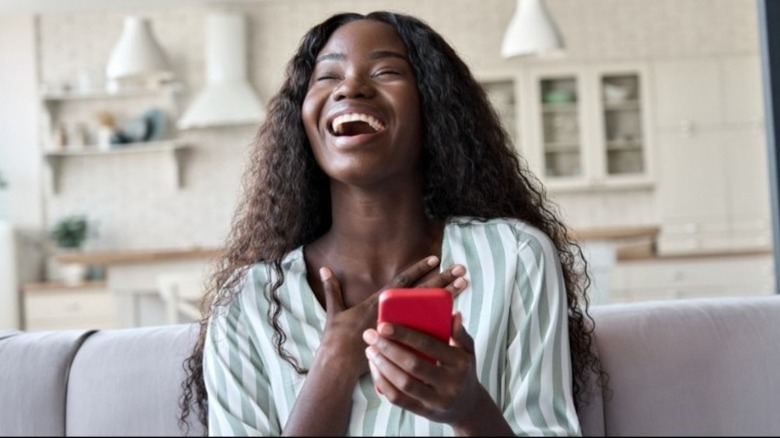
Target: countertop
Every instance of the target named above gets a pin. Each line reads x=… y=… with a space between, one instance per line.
x=136 y=256
x=155 y=255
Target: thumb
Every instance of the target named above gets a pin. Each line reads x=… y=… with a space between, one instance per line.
x=334 y=301
x=460 y=337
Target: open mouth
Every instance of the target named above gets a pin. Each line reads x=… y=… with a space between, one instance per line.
x=356 y=124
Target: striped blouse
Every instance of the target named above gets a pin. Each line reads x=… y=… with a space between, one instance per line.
x=514 y=308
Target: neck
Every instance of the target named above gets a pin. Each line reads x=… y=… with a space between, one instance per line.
x=375 y=235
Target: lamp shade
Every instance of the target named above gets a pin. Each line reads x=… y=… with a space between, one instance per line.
x=137 y=54
x=531 y=32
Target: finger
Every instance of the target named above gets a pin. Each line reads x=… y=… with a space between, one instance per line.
x=392 y=380
x=334 y=301
x=460 y=337
x=409 y=276
x=451 y=279
x=413 y=351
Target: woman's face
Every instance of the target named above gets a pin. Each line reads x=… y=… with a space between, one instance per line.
x=362 y=110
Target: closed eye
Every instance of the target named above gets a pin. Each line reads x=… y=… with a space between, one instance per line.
x=387 y=73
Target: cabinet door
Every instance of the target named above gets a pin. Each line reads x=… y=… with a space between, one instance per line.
x=589 y=124
x=742 y=91
x=692 y=191
x=688 y=94
x=561 y=129
x=621 y=124
x=748 y=189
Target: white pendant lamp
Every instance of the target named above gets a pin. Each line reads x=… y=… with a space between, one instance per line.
x=228 y=97
x=137 y=57
x=531 y=31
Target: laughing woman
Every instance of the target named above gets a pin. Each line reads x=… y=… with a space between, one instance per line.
x=382 y=164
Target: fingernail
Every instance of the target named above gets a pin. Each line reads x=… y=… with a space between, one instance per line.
x=385 y=329
x=370 y=353
x=458 y=270
x=459 y=283
x=325 y=274
x=433 y=261
x=369 y=336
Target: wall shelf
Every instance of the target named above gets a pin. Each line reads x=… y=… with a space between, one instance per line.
x=59 y=96
x=174 y=148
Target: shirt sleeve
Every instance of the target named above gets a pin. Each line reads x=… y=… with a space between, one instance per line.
x=538 y=379
x=239 y=391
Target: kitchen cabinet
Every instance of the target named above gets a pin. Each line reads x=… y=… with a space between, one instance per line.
x=715 y=275
x=713 y=189
x=708 y=93
x=588 y=126
x=76 y=124
x=57 y=306
x=502 y=93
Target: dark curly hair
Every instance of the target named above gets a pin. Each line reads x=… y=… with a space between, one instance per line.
x=471 y=169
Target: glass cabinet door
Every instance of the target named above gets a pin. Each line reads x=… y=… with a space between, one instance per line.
x=561 y=139
x=622 y=107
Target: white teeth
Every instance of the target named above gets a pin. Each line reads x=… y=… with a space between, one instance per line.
x=339 y=121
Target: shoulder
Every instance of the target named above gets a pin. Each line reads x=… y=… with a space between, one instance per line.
x=506 y=231
x=247 y=285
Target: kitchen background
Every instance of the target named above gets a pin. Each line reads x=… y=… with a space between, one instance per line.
x=682 y=210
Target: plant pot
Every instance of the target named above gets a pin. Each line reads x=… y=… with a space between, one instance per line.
x=74 y=273
x=68 y=273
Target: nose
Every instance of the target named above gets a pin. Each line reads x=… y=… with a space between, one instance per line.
x=352 y=88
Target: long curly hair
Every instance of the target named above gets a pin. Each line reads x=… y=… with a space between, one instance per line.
x=471 y=168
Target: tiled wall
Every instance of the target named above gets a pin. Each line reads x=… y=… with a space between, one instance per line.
x=127 y=197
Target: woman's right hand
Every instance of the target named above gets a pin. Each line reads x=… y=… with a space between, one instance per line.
x=342 y=338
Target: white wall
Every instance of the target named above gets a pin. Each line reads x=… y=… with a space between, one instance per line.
x=135 y=210
x=19 y=161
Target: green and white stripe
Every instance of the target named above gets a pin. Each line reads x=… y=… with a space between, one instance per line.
x=514 y=308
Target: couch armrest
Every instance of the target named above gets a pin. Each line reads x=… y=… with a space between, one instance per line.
x=34 y=379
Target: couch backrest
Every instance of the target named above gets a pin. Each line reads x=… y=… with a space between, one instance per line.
x=127 y=382
x=707 y=367
x=684 y=367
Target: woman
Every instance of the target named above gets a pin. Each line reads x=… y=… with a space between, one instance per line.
x=382 y=164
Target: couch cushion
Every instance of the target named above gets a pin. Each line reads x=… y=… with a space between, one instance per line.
x=33 y=381
x=694 y=367
x=126 y=382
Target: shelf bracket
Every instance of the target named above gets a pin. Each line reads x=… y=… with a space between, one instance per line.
x=177 y=156
x=54 y=163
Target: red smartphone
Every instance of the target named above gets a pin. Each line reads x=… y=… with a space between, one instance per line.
x=426 y=310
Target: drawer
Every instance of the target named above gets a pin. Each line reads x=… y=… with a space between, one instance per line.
x=67 y=305
x=705 y=271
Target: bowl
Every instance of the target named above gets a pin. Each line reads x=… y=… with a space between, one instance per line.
x=616 y=93
x=558 y=96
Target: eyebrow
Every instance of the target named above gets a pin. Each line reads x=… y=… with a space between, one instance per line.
x=371 y=56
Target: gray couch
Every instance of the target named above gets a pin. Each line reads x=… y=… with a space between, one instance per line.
x=690 y=367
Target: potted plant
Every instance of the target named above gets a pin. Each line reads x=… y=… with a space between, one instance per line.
x=69 y=234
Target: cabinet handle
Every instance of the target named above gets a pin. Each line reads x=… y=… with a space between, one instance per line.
x=73 y=307
x=686 y=127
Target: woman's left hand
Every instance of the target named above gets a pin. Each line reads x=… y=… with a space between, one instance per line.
x=445 y=392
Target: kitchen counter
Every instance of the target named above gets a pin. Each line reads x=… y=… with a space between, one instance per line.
x=161 y=255
x=136 y=256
